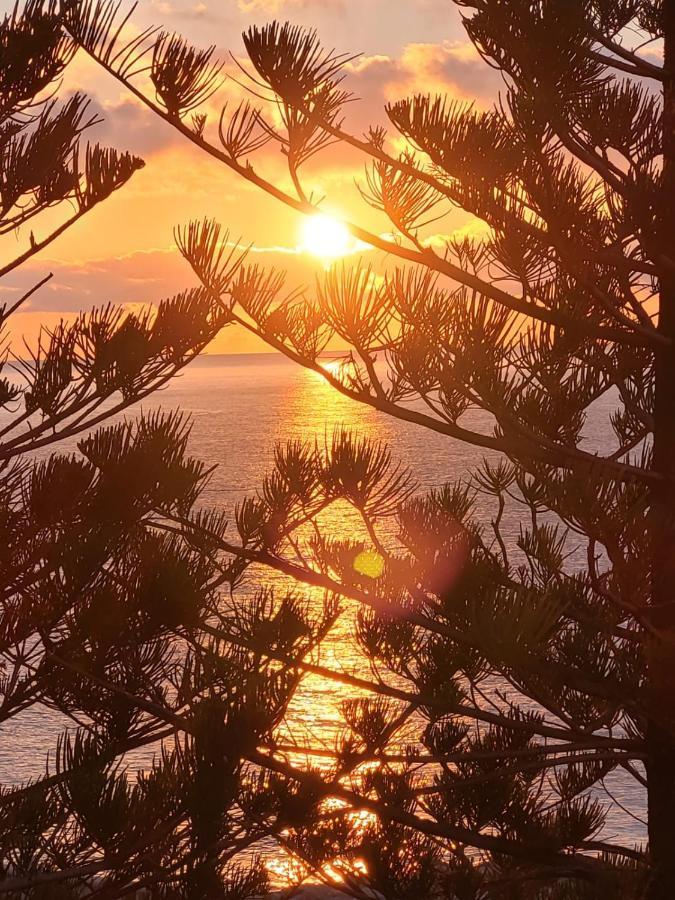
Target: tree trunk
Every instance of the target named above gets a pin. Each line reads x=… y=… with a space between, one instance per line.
x=661 y=657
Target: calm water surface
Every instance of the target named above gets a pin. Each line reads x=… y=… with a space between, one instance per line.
x=240 y=406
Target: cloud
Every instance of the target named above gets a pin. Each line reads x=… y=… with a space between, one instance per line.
x=185 y=10
x=453 y=68
x=275 y=6
x=144 y=277
x=128 y=125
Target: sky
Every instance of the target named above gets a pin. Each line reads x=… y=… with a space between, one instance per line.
x=123 y=251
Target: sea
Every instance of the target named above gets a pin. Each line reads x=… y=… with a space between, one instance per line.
x=239 y=407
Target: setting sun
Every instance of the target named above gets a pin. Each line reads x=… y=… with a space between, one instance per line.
x=326 y=237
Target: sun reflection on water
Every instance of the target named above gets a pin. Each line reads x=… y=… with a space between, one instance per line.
x=287 y=870
x=314 y=716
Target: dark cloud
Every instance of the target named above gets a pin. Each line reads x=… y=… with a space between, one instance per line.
x=128 y=125
x=138 y=278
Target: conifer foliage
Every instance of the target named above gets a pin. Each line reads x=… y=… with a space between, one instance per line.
x=547 y=665
x=102 y=644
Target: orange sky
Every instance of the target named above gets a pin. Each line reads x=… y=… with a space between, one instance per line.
x=123 y=250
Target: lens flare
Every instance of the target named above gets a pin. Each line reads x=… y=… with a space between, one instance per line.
x=369 y=563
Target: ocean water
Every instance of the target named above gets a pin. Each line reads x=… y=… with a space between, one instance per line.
x=239 y=407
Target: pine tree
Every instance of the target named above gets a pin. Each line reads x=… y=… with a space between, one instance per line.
x=533 y=675
x=103 y=597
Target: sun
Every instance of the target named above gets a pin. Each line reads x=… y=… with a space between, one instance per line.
x=326 y=237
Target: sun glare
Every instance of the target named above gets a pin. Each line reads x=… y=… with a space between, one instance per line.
x=326 y=237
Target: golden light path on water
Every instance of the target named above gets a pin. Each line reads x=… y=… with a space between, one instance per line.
x=312 y=411
x=314 y=716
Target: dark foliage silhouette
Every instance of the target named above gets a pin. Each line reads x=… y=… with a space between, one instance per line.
x=103 y=598
x=547 y=665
